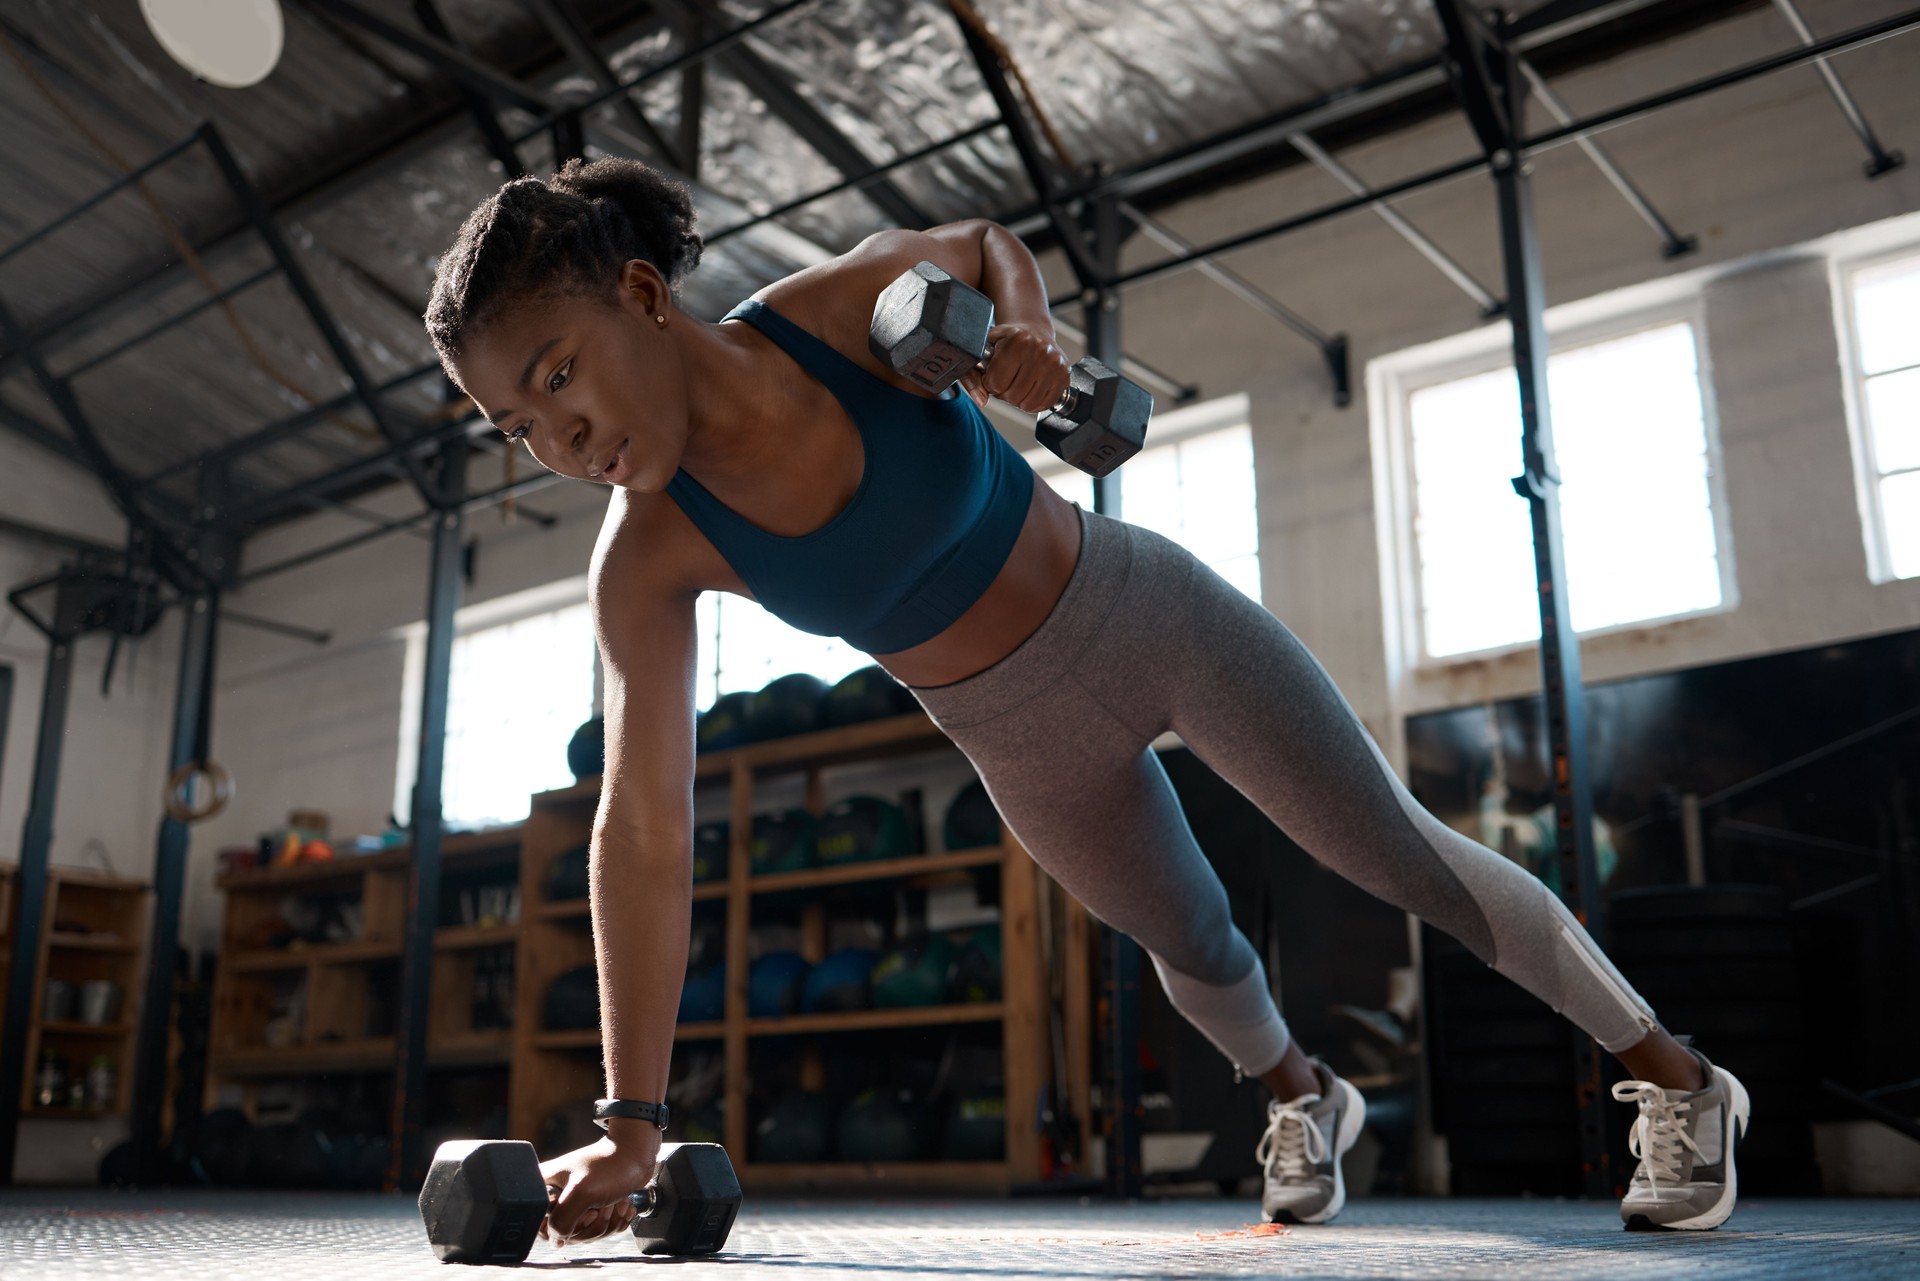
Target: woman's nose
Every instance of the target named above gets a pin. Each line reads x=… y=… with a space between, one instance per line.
x=576 y=438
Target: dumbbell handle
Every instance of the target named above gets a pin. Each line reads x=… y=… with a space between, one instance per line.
x=642 y=1201
x=1060 y=406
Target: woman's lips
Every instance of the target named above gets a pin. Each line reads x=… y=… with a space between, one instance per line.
x=616 y=464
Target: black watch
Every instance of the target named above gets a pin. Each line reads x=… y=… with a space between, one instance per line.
x=630 y=1109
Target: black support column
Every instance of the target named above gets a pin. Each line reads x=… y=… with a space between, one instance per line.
x=1119 y=954
x=216 y=554
x=423 y=897
x=1492 y=88
x=31 y=882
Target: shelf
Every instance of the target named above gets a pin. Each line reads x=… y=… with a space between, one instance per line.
x=589 y=1038
x=369 y=1054
x=456 y=847
x=91 y=942
x=108 y=1030
x=867 y=1020
x=877 y=870
x=870 y=740
x=458 y=938
x=298 y=958
x=472 y=1049
x=66 y=1114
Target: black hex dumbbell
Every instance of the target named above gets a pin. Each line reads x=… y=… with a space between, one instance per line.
x=484 y=1200
x=932 y=329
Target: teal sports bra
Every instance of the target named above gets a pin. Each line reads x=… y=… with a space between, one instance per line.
x=941 y=501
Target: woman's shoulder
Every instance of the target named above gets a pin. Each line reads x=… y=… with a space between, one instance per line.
x=651 y=551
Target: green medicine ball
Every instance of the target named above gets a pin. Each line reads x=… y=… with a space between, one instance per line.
x=724 y=724
x=782 y=842
x=861 y=828
x=914 y=973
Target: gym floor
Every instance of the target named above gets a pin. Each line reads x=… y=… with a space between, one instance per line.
x=217 y=1236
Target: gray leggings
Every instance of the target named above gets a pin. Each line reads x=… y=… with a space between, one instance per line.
x=1146 y=639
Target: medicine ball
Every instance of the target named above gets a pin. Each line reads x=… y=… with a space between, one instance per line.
x=573 y=1001
x=860 y=828
x=869 y=694
x=724 y=724
x=885 y=1124
x=703 y=998
x=785 y=706
x=976 y=971
x=840 y=982
x=915 y=972
x=972 y=821
x=773 y=984
x=782 y=842
x=567 y=875
x=712 y=843
x=797 y=1127
x=976 y=1129
x=587 y=749
x=219 y=1146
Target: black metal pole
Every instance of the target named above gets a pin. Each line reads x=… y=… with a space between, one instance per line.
x=1120 y=955
x=36 y=841
x=191 y=713
x=423 y=898
x=1493 y=92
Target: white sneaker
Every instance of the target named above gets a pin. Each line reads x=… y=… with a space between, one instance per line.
x=1685 y=1142
x=1300 y=1153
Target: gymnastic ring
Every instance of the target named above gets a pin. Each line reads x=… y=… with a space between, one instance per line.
x=219 y=784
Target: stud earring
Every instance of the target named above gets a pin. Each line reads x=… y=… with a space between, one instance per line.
x=660 y=320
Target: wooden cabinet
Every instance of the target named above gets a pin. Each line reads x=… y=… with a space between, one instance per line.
x=88 y=977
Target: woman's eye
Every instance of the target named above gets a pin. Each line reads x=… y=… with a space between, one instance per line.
x=559 y=379
x=518 y=433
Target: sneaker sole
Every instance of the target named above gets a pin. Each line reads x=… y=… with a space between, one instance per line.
x=1352 y=1120
x=1742 y=1108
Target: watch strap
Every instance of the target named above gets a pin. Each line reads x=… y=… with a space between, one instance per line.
x=629 y=1109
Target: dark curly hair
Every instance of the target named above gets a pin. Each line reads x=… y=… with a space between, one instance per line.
x=567 y=236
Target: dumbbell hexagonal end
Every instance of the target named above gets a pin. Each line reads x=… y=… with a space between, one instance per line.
x=1104 y=422
x=695 y=1198
x=483 y=1201
x=930 y=328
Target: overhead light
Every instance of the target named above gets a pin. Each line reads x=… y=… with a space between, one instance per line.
x=230 y=43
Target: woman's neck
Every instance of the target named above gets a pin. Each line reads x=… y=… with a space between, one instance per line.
x=735 y=399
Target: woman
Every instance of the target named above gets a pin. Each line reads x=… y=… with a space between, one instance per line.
x=773 y=456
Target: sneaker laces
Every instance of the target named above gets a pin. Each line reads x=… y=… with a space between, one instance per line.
x=1297 y=1147
x=1660 y=1137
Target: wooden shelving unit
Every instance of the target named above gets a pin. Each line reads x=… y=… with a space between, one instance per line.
x=550 y=1069
x=94 y=929
x=555 y=938
x=333 y=1036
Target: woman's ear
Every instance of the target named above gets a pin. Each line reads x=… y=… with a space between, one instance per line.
x=642 y=286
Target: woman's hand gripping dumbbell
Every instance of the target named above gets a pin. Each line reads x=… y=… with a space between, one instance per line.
x=933 y=331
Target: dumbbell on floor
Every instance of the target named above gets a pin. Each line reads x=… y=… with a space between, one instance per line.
x=484 y=1200
x=932 y=330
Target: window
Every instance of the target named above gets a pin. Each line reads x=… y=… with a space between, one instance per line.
x=518 y=690
x=1885 y=360
x=1192 y=483
x=1637 y=463
x=742 y=646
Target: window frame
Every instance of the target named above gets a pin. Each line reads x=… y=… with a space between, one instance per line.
x=1394 y=378
x=1844 y=269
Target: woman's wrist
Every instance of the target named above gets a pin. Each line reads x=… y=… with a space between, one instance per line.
x=631 y=1135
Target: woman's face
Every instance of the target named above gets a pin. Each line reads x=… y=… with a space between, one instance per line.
x=596 y=391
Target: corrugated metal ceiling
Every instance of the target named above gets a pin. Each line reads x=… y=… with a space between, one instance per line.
x=1121 y=81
